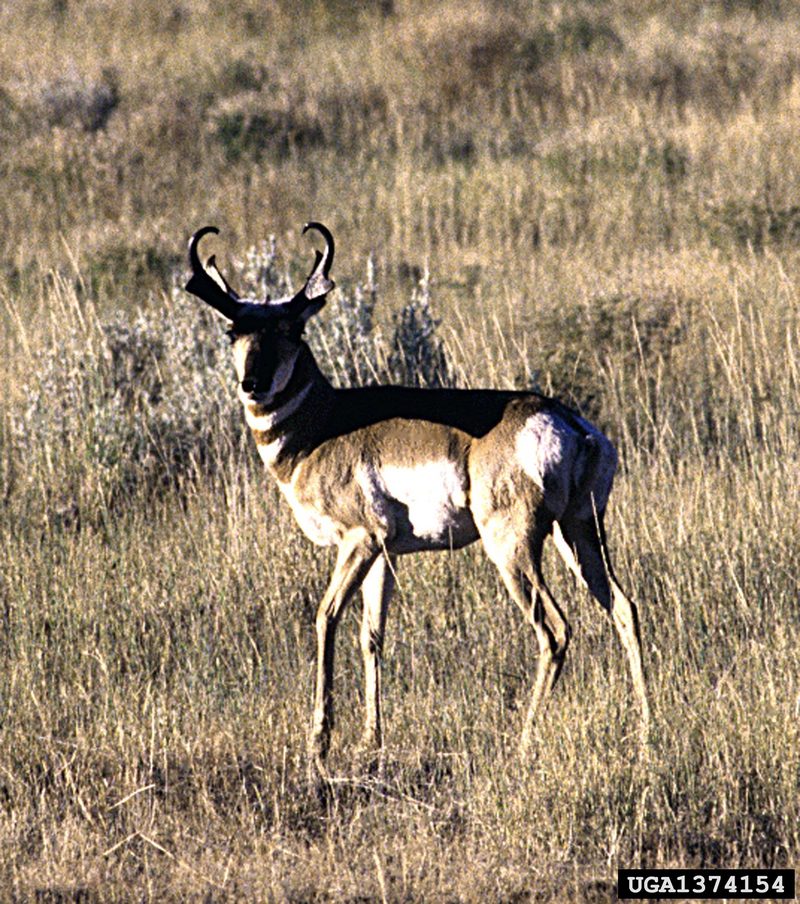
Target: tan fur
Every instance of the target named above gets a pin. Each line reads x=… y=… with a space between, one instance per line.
x=381 y=472
x=401 y=485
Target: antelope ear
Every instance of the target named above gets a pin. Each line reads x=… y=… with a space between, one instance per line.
x=311 y=308
x=210 y=287
x=214 y=272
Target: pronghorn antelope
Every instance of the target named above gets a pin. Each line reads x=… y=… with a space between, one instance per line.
x=381 y=471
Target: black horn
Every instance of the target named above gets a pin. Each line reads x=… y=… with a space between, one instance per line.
x=318 y=283
x=322 y=265
x=204 y=286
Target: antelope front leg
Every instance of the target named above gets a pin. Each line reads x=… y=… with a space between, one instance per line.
x=357 y=552
x=377 y=591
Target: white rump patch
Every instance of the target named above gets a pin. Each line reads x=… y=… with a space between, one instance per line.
x=543 y=447
x=555 y=456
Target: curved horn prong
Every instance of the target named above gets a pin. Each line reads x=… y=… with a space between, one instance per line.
x=318 y=283
x=205 y=286
x=323 y=261
x=194 y=241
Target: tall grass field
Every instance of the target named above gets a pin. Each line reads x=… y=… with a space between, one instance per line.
x=597 y=199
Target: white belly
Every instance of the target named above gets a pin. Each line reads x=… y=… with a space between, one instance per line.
x=424 y=506
x=409 y=508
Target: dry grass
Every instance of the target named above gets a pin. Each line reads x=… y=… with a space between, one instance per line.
x=605 y=196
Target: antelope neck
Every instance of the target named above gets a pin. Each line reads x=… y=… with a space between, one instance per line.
x=286 y=428
x=263 y=419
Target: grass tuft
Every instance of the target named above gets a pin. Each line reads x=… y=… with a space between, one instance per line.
x=598 y=200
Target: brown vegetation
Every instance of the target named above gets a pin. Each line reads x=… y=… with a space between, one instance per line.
x=605 y=197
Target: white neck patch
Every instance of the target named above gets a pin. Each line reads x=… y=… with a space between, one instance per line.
x=270 y=420
x=269 y=452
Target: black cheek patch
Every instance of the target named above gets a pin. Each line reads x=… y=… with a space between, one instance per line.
x=261 y=364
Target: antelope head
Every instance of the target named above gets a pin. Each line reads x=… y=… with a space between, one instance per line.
x=266 y=335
